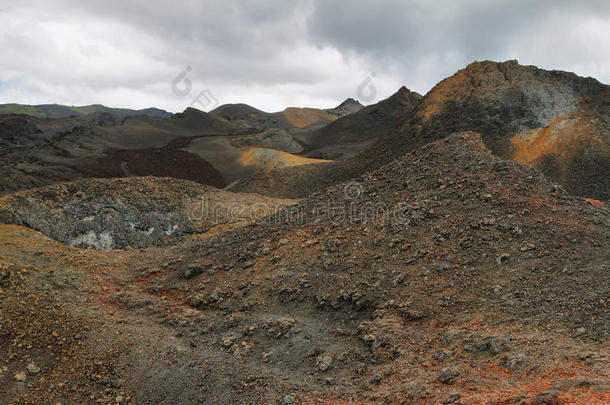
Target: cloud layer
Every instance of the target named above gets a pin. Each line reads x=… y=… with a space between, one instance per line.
x=274 y=54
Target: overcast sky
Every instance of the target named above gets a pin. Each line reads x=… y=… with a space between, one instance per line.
x=274 y=54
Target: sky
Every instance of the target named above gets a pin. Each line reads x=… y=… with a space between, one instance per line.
x=276 y=54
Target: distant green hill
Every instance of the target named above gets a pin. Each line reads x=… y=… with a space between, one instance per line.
x=62 y=111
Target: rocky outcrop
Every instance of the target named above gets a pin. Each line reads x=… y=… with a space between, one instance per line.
x=129 y=213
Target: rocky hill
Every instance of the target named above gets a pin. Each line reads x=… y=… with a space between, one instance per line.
x=347 y=107
x=446 y=276
x=556 y=121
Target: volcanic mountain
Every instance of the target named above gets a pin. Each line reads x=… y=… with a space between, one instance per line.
x=553 y=120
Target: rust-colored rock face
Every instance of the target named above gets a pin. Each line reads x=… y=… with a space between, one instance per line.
x=545 y=94
x=573 y=149
x=555 y=121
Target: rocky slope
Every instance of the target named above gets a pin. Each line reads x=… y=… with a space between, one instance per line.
x=446 y=276
x=554 y=120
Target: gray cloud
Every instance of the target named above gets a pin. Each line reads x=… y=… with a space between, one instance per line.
x=273 y=54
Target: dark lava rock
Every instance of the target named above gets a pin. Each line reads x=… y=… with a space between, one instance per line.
x=448 y=375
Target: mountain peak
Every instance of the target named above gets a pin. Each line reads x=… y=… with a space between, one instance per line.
x=348 y=106
x=349 y=102
x=193 y=110
x=406 y=97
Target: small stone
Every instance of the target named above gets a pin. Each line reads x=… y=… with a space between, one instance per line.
x=112 y=382
x=496 y=345
x=448 y=375
x=452 y=398
x=192 y=271
x=527 y=247
x=21 y=376
x=228 y=340
x=502 y=259
x=547 y=398
x=512 y=361
x=195 y=301
x=369 y=339
x=422 y=391
x=325 y=361
x=442 y=355
x=32 y=368
x=288 y=399
x=449 y=337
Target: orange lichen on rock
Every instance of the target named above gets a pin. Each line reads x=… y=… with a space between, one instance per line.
x=595 y=202
x=563 y=139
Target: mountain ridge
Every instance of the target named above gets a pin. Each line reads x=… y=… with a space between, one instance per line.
x=64 y=111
